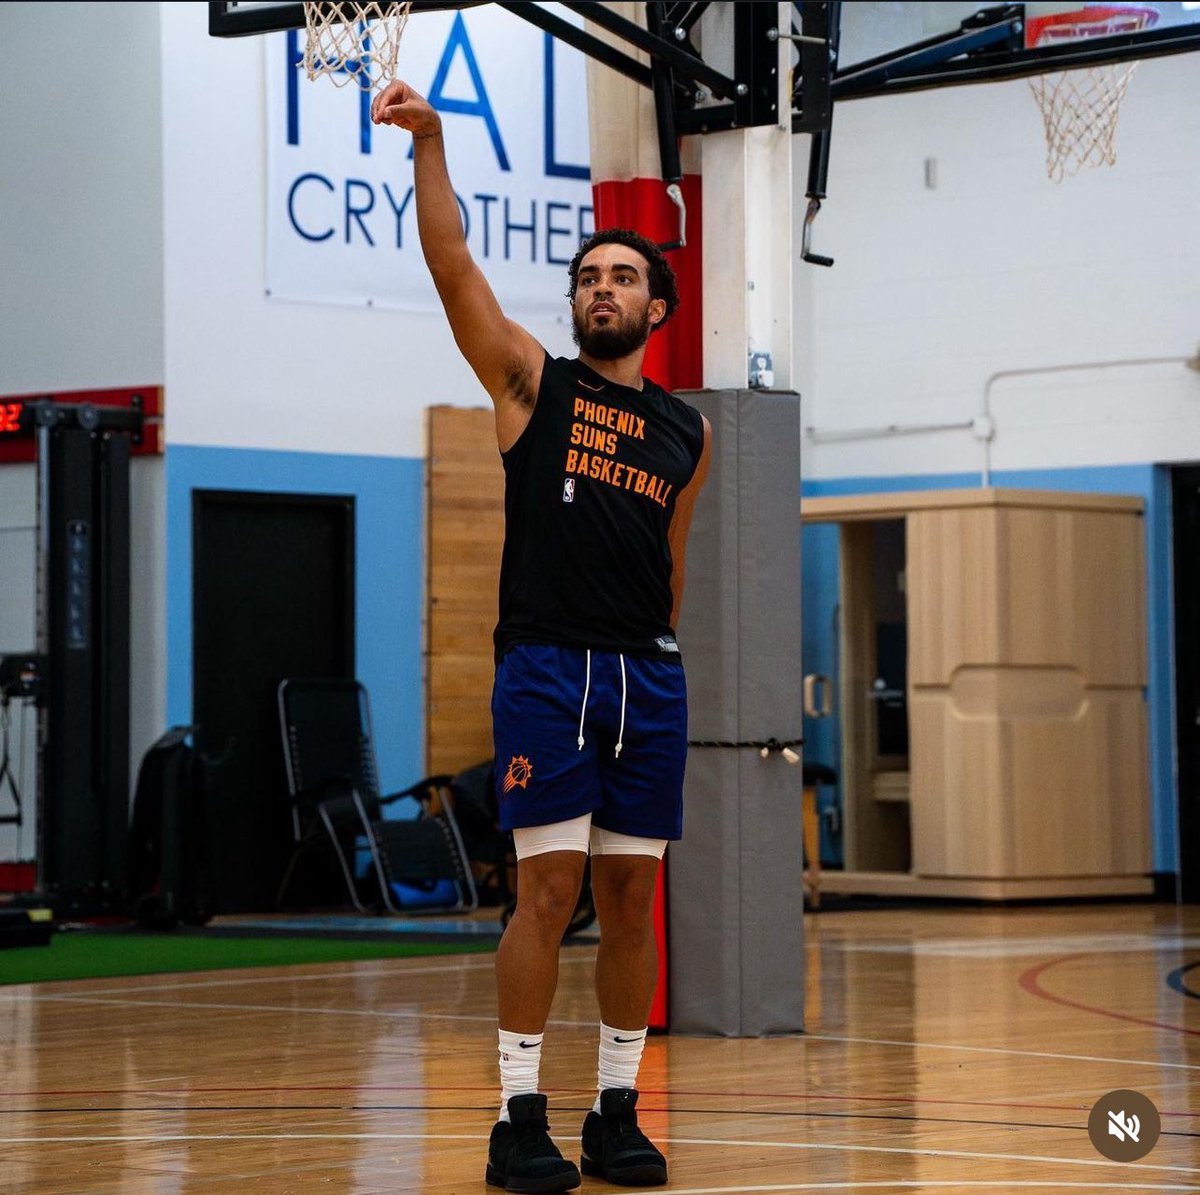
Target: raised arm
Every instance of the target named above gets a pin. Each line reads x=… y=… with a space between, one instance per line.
x=505 y=357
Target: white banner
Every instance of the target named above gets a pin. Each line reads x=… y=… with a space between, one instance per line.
x=341 y=218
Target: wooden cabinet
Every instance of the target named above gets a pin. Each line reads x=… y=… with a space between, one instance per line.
x=1026 y=772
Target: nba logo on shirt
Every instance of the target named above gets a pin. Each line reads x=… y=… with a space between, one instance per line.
x=569 y=490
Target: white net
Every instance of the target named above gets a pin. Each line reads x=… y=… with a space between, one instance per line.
x=1080 y=107
x=354 y=42
x=1080 y=110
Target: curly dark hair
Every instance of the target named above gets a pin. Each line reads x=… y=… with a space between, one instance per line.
x=661 y=279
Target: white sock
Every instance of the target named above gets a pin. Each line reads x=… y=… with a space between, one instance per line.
x=520 y=1060
x=620 y=1057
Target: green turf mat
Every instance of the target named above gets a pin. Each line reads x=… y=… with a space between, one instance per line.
x=84 y=954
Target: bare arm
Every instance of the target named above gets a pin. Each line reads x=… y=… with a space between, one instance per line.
x=681 y=523
x=505 y=357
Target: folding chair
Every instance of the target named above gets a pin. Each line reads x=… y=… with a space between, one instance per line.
x=417 y=864
x=490 y=849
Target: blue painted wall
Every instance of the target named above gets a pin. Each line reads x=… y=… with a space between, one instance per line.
x=1151 y=483
x=389 y=496
x=389 y=504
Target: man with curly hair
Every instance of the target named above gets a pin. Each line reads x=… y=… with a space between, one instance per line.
x=602 y=468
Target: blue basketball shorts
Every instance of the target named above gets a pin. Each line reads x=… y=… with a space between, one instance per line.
x=631 y=715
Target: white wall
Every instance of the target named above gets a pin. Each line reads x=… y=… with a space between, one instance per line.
x=250 y=372
x=81 y=294
x=80 y=197
x=1000 y=269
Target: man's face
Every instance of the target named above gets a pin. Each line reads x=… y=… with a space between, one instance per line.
x=613 y=312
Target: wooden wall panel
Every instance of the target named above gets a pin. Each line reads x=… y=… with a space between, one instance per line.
x=465 y=532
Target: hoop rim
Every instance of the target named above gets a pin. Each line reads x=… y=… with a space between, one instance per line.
x=1078 y=24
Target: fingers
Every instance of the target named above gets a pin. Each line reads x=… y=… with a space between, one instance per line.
x=394 y=94
x=393 y=115
x=398 y=104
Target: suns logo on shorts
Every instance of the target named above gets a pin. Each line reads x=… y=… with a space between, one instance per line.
x=520 y=770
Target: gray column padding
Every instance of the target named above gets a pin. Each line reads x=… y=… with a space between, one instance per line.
x=735 y=881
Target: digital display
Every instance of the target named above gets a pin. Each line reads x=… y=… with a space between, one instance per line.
x=10 y=417
x=87 y=409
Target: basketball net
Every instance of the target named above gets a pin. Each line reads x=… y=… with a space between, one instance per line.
x=1080 y=107
x=354 y=42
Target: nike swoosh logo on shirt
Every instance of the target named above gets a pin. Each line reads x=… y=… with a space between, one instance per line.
x=594 y=389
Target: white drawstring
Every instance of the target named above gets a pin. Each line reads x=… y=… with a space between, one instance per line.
x=586 y=687
x=621 y=731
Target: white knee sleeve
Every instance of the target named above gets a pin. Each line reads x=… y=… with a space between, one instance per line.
x=609 y=842
x=579 y=834
x=559 y=836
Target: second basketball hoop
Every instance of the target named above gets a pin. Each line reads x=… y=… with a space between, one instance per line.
x=1080 y=107
x=354 y=42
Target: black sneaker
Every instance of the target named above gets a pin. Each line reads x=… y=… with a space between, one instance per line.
x=614 y=1148
x=521 y=1156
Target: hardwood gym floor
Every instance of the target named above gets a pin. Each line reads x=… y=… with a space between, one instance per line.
x=948 y=1050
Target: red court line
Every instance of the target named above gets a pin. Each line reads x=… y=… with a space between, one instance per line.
x=1031 y=981
x=382 y=1088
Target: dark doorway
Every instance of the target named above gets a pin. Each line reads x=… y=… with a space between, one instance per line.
x=273 y=597
x=1186 y=508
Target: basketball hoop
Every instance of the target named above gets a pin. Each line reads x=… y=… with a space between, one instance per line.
x=354 y=42
x=1080 y=107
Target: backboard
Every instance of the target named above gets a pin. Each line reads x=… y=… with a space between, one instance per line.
x=887 y=47
x=240 y=18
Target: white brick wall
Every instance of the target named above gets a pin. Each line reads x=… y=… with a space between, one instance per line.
x=1000 y=269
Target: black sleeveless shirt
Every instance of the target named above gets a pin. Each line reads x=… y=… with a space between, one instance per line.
x=590 y=488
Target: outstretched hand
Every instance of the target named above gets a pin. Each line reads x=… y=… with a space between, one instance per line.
x=400 y=105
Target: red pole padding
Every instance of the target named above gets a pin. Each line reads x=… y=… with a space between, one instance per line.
x=674 y=356
x=674 y=359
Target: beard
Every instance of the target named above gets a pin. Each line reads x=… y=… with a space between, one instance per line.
x=617 y=339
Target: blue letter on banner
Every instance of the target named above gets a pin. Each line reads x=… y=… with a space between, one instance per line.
x=555 y=168
x=308 y=236
x=481 y=106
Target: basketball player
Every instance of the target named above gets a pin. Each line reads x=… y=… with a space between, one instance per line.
x=602 y=468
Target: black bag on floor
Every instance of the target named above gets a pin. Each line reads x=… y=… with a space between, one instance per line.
x=169 y=878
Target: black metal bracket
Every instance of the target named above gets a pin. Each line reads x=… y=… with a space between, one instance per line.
x=989 y=30
x=663 y=84
x=674 y=52
x=89 y=417
x=817 y=39
x=818 y=170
